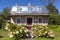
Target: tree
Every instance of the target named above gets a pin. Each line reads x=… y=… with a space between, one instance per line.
x=57 y=19
x=53 y=14
x=52 y=9
x=5 y=13
x=49 y=5
x=2 y=21
x=47 y=2
x=4 y=16
x=54 y=19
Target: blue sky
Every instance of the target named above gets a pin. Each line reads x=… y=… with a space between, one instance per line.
x=10 y=3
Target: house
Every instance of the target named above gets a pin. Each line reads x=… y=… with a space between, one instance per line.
x=29 y=15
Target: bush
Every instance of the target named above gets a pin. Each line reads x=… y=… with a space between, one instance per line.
x=42 y=31
x=18 y=32
x=3 y=24
x=12 y=27
x=21 y=31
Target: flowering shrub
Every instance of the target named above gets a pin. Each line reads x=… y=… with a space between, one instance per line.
x=17 y=32
x=42 y=31
x=21 y=31
x=12 y=27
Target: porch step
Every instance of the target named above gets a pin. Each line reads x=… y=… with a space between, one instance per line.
x=29 y=27
x=29 y=39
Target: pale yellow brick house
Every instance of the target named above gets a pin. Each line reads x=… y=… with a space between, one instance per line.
x=29 y=15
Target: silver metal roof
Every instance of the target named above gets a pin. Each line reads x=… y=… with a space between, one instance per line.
x=28 y=10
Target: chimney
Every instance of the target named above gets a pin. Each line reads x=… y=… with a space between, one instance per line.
x=16 y=5
x=29 y=4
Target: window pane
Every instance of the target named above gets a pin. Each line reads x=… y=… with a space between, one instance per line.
x=19 y=9
x=29 y=9
x=40 y=20
x=18 y=20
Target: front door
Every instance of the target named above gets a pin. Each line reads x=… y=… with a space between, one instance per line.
x=29 y=21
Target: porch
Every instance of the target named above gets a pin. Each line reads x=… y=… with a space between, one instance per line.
x=29 y=19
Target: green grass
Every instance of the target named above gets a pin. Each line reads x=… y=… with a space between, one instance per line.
x=4 y=35
x=57 y=33
x=43 y=39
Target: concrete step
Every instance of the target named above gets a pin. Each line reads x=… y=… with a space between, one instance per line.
x=29 y=39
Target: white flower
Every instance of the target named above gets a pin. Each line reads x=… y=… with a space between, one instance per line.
x=50 y=31
x=10 y=32
x=39 y=35
x=27 y=35
x=52 y=35
x=20 y=30
x=17 y=32
x=25 y=30
x=11 y=36
x=13 y=32
x=32 y=36
x=45 y=31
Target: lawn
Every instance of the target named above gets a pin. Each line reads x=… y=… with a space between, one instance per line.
x=4 y=35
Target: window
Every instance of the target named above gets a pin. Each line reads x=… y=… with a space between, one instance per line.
x=18 y=20
x=29 y=9
x=40 y=9
x=40 y=20
x=34 y=9
x=19 y=9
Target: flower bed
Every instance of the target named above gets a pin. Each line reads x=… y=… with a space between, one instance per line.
x=21 y=31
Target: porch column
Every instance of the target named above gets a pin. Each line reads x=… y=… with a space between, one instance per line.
x=12 y=20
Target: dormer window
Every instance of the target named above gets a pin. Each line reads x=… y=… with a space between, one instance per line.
x=34 y=9
x=40 y=9
x=19 y=9
x=30 y=9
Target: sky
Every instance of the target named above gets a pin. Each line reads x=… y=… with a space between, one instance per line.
x=10 y=3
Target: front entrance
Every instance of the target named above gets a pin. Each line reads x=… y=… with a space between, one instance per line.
x=29 y=21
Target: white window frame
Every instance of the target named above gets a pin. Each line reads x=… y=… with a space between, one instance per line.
x=41 y=19
x=19 y=9
x=16 y=20
x=30 y=9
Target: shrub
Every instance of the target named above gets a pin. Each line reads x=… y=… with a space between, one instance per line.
x=12 y=27
x=3 y=25
x=21 y=31
x=42 y=31
x=18 y=32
